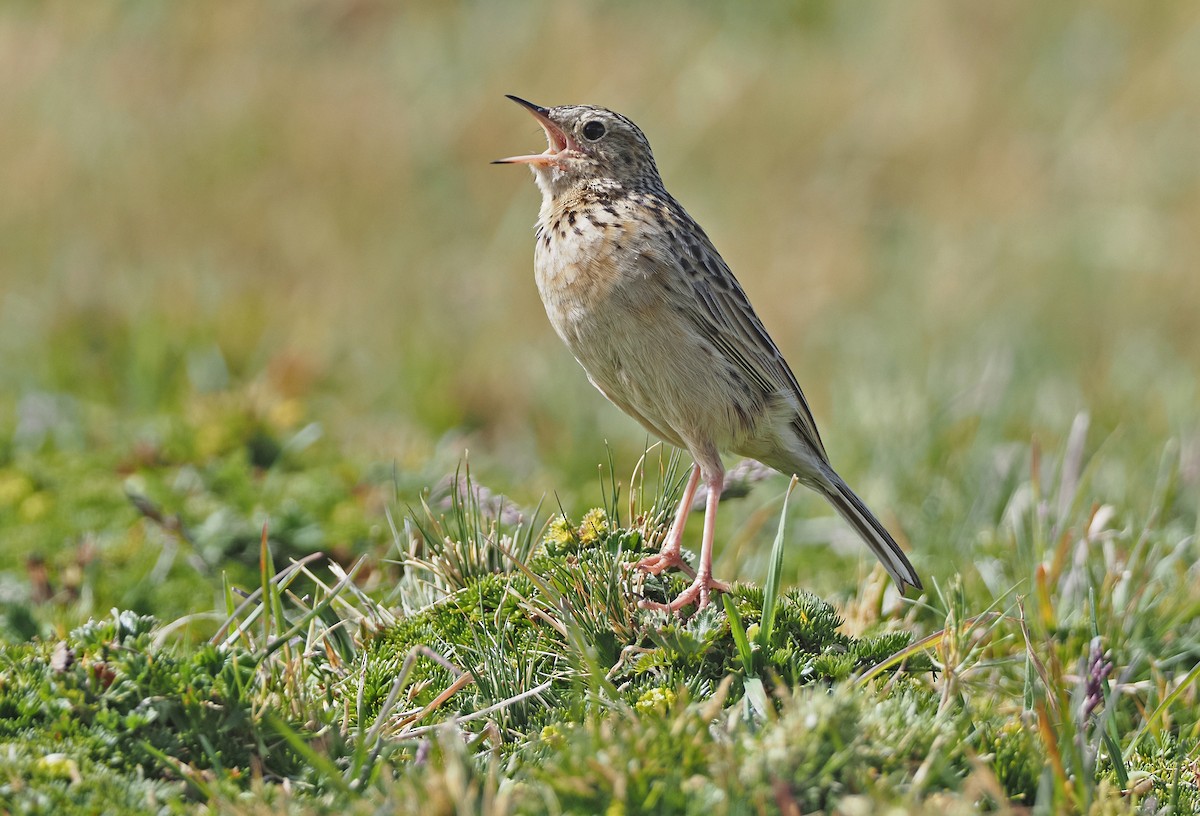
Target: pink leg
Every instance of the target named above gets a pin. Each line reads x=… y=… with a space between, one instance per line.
x=669 y=557
x=698 y=592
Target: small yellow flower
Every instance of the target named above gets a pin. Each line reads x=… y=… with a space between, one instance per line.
x=35 y=506
x=655 y=701
x=346 y=512
x=212 y=439
x=14 y=487
x=558 y=533
x=595 y=524
x=58 y=766
x=285 y=414
x=553 y=736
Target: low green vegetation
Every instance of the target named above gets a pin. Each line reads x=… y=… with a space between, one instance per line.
x=487 y=661
x=149 y=515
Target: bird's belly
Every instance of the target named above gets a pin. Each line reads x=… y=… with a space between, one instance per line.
x=641 y=353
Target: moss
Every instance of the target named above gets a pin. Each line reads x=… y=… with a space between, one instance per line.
x=105 y=702
x=1016 y=759
x=508 y=631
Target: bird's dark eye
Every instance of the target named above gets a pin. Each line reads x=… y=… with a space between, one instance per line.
x=593 y=130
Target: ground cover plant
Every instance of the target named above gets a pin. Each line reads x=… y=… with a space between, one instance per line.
x=503 y=666
x=270 y=356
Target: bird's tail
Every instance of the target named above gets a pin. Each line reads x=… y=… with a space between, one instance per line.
x=872 y=531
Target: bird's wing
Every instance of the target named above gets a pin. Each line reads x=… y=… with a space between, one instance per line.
x=719 y=310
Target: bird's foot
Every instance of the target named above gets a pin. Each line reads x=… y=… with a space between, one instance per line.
x=665 y=559
x=697 y=593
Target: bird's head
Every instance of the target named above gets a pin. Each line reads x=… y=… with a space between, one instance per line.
x=588 y=146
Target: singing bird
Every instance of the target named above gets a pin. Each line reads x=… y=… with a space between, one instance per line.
x=644 y=301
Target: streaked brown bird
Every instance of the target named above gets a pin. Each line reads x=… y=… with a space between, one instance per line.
x=648 y=307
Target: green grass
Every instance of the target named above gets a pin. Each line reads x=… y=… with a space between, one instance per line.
x=257 y=274
x=502 y=665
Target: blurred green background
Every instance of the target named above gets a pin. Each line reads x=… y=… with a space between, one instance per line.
x=964 y=225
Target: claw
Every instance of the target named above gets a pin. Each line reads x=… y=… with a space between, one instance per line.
x=697 y=593
x=663 y=561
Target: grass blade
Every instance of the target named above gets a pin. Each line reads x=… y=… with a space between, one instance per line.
x=774 y=574
x=1161 y=709
x=745 y=652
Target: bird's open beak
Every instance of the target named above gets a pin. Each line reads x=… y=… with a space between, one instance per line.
x=558 y=142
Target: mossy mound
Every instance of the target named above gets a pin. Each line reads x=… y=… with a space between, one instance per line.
x=570 y=616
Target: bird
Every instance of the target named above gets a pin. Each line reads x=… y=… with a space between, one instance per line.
x=639 y=294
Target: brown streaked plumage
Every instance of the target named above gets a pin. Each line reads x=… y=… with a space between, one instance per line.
x=648 y=307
